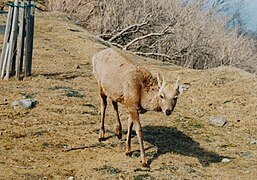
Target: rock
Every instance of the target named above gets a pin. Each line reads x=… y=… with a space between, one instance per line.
x=218 y=121
x=62 y=49
x=225 y=160
x=74 y=93
x=71 y=178
x=77 y=66
x=253 y=141
x=24 y=103
x=245 y=154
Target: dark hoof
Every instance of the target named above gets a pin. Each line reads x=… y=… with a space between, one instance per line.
x=119 y=132
x=101 y=139
x=129 y=153
x=145 y=165
x=119 y=136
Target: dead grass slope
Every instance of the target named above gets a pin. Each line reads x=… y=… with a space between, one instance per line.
x=182 y=146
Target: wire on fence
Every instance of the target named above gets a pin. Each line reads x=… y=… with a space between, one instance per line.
x=20 y=6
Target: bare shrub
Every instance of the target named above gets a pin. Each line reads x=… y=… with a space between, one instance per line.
x=183 y=33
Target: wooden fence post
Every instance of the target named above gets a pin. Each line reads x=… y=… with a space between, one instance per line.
x=6 y=39
x=4 y=60
x=20 y=18
x=29 y=38
x=20 y=46
x=13 y=38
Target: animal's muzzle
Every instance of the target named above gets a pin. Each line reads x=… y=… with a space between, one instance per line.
x=168 y=112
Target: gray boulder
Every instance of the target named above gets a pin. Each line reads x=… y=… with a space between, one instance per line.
x=24 y=103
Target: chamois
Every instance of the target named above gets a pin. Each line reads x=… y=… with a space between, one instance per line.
x=133 y=86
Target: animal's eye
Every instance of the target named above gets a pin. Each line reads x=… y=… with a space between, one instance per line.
x=162 y=97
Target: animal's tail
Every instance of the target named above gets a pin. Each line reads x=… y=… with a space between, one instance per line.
x=94 y=63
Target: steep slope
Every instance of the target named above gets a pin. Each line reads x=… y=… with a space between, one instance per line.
x=182 y=146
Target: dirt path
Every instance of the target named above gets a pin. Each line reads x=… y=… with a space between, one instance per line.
x=182 y=146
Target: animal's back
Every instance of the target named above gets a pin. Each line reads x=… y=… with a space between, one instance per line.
x=110 y=63
x=115 y=73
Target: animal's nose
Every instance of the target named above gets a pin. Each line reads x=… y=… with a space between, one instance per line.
x=168 y=112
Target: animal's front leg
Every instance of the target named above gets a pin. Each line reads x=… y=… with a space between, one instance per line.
x=103 y=108
x=135 y=119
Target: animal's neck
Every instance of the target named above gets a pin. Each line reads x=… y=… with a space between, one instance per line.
x=149 y=100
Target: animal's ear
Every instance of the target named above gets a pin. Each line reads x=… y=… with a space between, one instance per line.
x=160 y=79
x=182 y=88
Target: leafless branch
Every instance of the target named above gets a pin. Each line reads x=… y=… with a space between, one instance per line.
x=76 y=148
x=155 y=54
x=117 y=45
x=128 y=29
x=83 y=147
x=4 y=103
x=163 y=32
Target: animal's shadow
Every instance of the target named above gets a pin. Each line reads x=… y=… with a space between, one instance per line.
x=168 y=140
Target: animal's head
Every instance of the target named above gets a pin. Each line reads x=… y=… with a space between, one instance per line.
x=168 y=94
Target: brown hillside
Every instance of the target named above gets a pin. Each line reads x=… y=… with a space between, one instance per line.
x=181 y=146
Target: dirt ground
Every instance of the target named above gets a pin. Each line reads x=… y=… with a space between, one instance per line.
x=34 y=142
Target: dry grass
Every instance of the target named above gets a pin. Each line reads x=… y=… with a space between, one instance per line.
x=179 y=147
x=196 y=38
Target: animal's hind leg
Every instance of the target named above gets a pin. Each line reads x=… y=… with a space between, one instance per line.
x=128 y=142
x=118 y=124
x=103 y=108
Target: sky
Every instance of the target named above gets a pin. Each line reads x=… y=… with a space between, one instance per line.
x=251 y=13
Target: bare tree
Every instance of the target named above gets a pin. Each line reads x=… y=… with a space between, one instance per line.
x=190 y=34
